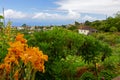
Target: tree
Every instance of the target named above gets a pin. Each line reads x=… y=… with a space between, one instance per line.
x=64 y=26
x=24 y=25
x=96 y=24
x=72 y=28
x=87 y=23
x=117 y=15
x=77 y=23
x=113 y=29
x=94 y=51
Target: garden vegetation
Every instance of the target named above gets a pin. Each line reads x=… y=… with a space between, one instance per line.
x=68 y=55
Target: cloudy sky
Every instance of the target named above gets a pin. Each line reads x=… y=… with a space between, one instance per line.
x=57 y=12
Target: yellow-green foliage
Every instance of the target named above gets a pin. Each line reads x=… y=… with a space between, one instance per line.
x=6 y=35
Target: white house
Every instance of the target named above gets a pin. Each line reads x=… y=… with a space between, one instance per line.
x=86 y=30
x=19 y=28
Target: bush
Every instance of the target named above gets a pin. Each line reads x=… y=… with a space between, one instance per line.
x=59 y=43
x=87 y=76
x=113 y=29
x=106 y=74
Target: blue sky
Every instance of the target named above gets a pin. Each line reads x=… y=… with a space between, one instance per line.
x=57 y=12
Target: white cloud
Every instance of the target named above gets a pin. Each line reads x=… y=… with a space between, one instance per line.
x=70 y=15
x=90 y=6
x=9 y=13
x=86 y=17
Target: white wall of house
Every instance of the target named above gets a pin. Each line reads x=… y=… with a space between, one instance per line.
x=20 y=28
x=86 y=32
x=32 y=28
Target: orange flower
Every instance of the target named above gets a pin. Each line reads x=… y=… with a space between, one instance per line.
x=36 y=57
x=2 y=66
x=20 y=38
x=19 y=52
x=45 y=57
x=7 y=68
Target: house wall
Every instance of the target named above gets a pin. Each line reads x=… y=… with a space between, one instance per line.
x=86 y=32
x=20 y=28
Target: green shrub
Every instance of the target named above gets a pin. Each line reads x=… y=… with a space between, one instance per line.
x=58 y=44
x=111 y=62
x=106 y=74
x=110 y=38
x=87 y=76
x=113 y=29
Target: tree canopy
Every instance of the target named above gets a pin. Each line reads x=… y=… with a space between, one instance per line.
x=111 y=24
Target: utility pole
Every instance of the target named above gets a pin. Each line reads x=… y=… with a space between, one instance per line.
x=106 y=16
x=4 y=18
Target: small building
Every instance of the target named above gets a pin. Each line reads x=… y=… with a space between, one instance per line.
x=20 y=28
x=86 y=30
